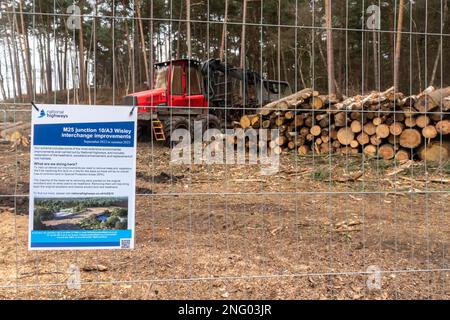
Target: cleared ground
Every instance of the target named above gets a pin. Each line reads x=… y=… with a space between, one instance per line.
x=72 y=222
x=226 y=232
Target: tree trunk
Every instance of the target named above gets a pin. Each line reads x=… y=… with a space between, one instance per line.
x=178 y=55
x=16 y=64
x=66 y=40
x=438 y=54
x=141 y=31
x=244 y=19
x=398 y=46
x=48 y=68
x=43 y=86
x=2 y=85
x=188 y=28
x=285 y=73
x=330 y=50
x=279 y=41
x=18 y=69
x=81 y=71
x=130 y=54
x=58 y=68
x=6 y=69
x=224 y=33
x=151 y=46
x=20 y=50
x=26 y=52
x=375 y=60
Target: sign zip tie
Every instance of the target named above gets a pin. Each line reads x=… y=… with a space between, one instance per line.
x=34 y=106
x=132 y=109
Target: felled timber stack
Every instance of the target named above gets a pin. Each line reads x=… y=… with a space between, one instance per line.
x=385 y=124
x=15 y=133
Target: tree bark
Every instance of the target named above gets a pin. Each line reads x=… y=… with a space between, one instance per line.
x=244 y=19
x=375 y=60
x=188 y=28
x=130 y=54
x=178 y=55
x=438 y=54
x=141 y=30
x=14 y=57
x=224 y=33
x=26 y=52
x=2 y=85
x=41 y=49
x=66 y=40
x=398 y=46
x=48 y=68
x=330 y=50
x=8 y=90
x=81 y=71
x=151 y=45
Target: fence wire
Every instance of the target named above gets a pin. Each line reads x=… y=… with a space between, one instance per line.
x=324 y=226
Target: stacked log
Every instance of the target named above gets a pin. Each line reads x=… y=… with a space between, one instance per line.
x=386 y=124
x=16 y=133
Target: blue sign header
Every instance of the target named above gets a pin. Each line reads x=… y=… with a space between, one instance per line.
x=98 y=134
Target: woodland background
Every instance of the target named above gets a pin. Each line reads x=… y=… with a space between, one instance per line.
x=118 y=41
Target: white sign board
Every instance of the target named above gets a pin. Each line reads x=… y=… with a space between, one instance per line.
x=82 y=177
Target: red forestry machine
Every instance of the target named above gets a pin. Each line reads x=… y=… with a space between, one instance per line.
x=187 y=90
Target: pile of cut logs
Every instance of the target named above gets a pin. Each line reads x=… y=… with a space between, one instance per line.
x=15 y=133
x=386 y=124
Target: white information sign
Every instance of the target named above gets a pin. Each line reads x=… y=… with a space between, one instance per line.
x=82 y=177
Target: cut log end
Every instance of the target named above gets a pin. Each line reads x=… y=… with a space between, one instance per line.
x=316 y=131
x=303 y=150
x=396 y=128
x=410 y=138
x=422 y=121
x=435 y=152
x=429 y=132
x=402 y=155
x=356 y=126
x=386 y=151
x=345 y=136
x=443 y=127
x=245 y=122
x=370 y=150
x=382 y=131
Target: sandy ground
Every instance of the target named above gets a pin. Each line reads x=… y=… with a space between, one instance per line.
x=226 y=232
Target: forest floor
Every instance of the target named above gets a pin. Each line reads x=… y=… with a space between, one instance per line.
x=310 y=231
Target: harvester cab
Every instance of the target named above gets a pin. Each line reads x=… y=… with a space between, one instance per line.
x=176 y=99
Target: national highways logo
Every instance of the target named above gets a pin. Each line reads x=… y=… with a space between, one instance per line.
x=53 y=114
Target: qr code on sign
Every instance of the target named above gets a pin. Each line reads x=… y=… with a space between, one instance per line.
x=125 y=243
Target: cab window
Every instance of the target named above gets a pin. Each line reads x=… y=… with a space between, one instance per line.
x=176 y=83
x=193 y=81
x=161 y=78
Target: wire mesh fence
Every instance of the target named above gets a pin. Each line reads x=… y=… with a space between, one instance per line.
x=334 y=220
